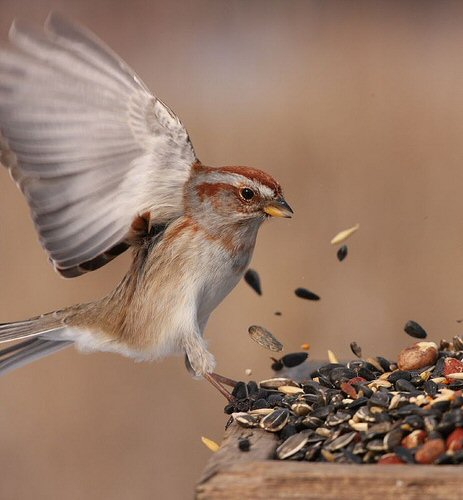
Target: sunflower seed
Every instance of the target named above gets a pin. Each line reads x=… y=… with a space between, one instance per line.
x=294 y=359
x=275 y=421
x=303 y=293
x=245 y=419
x=342 y=253
x=261 y=411
x=301 y=409
x=264 y=338
x=293 y=444
x=244 y=444
x=355 y=348
x=340 y=442
x=253 y=280
x=413 y=329
x=387 y=411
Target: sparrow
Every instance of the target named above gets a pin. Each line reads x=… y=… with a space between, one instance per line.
x=106 y=166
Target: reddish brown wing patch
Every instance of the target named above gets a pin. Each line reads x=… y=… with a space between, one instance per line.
x=96 y=263
x=141 y=223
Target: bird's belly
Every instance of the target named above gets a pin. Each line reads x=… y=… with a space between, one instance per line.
x=216 y=287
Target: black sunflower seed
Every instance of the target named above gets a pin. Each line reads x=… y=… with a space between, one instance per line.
x=385 y=364
x=356 y=349
x=413 y=329
x=277 y=365
x=406 y=386
x=342 y=253
x=399 y=374
x=294 y=359
x=244 y=444
x=240 y=391
x=303 y=293
x=253 y=280
x=405 y=454
x=430 y=388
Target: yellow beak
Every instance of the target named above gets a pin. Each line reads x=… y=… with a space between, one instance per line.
x=278 y=208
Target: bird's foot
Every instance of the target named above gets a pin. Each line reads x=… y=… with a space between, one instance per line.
x=217 y=381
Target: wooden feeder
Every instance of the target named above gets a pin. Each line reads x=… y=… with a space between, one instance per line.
x=234 y=474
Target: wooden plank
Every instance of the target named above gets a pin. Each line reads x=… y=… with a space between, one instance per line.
x=233 y=474
x=289 y=480
x=262 y=447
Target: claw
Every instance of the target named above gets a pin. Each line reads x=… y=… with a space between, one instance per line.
x=212 y=378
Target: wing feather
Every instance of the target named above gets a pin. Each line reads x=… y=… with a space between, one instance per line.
x=89 y=146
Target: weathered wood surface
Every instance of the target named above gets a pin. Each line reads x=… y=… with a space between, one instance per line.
x=262 y=447
x=232 y=474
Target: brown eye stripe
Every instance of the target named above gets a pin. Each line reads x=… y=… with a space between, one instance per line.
x=251 y=173
x=207 y=189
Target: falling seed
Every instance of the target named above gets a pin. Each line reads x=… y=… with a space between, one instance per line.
x=248 y=372
x=253 y=280
x=277 y=364
x=343 y=235
x=413 y=329
x=332 y=357
x=294 y=359
x=264 y=338
x=277 y=313
x=342 y=253
x=356 y=349
x=303 y=293
x=212 y=445
x=305 y=346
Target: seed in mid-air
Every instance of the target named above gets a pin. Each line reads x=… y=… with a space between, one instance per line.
x=294 y=359
x=356 y=349
x=303 y=293
x=342 y=253
x=343 y=235
x=415 y=330
x=253 y=280
x=264 y=338
x=332 y=357
x=212 y=445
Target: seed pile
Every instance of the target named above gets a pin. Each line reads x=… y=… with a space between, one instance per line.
x=364 y=411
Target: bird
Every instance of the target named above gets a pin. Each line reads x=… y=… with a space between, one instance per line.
x=106 y=166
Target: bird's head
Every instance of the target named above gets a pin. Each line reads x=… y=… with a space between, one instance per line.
x=234 y=195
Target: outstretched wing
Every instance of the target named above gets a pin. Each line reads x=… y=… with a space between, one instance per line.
x=89 y=146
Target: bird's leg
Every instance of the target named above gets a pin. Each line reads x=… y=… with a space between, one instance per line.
x=195 y=356
x=223 y=380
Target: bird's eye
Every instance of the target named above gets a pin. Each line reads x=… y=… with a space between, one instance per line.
x=247 y=194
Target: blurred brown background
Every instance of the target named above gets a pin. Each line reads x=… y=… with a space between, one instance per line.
x=357 y=108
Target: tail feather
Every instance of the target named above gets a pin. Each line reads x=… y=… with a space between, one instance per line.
x=30 y=328
x=28 y=351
